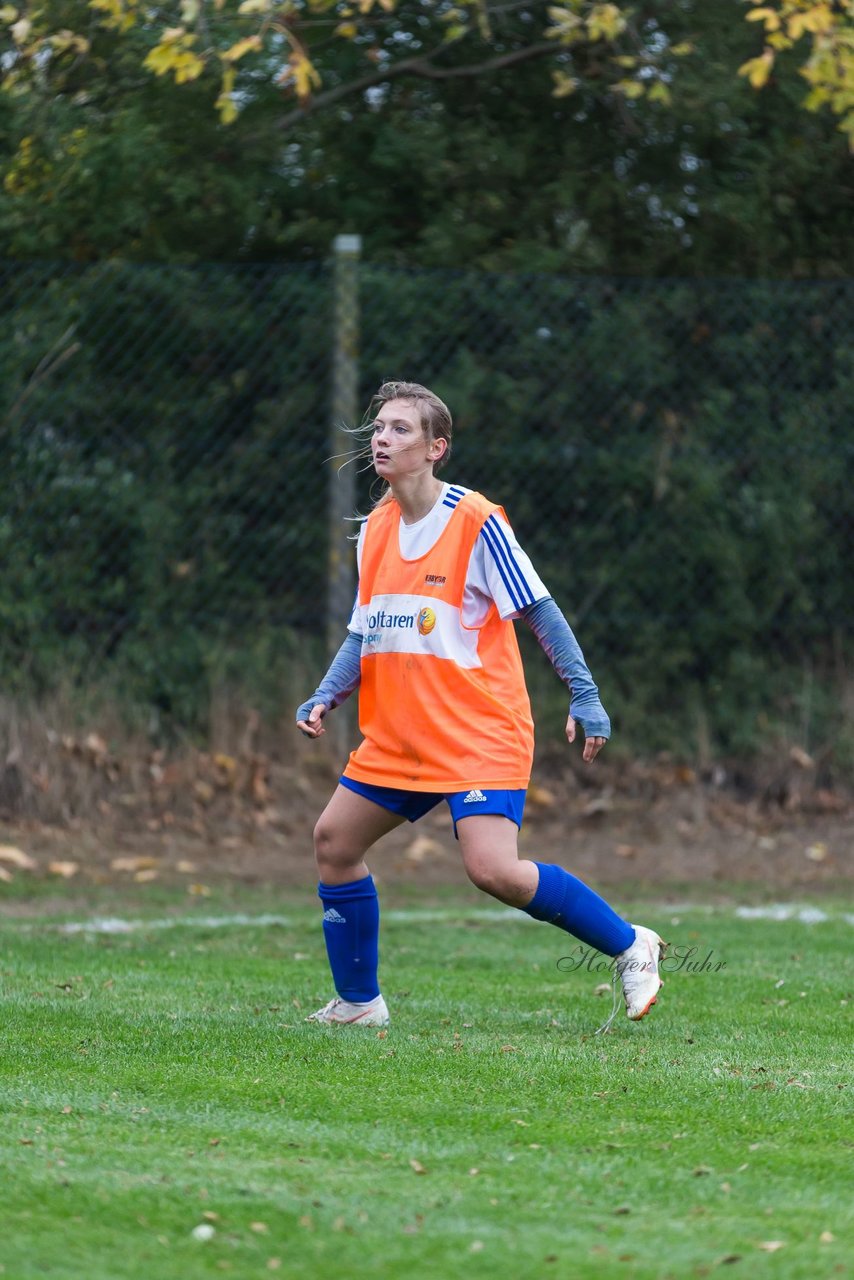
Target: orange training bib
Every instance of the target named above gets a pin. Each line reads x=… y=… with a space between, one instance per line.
x=443 y=707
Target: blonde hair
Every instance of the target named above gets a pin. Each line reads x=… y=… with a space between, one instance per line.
x=435 y=418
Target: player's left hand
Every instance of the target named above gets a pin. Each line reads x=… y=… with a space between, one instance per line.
x=592 y=746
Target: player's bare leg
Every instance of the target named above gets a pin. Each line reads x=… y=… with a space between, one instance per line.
x=345 y=831
x=489 y=844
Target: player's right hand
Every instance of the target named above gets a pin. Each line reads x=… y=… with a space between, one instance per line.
x=313 y=727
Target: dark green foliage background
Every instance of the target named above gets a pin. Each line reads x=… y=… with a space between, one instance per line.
x=672 y=454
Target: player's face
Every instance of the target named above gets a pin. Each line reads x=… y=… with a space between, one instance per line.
x=399 y=444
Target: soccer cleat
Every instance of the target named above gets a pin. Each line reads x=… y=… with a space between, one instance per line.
x=637 y=967
x=341 y=1013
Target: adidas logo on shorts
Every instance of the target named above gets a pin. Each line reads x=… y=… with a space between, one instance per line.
x=334 y=917
x=474 y=797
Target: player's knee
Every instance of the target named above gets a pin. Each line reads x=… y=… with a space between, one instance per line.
x=331 y=851
x=485 y=875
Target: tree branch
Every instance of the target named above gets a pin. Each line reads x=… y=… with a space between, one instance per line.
x=418 y=65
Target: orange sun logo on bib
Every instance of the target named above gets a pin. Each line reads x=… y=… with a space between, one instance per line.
x=426 y=621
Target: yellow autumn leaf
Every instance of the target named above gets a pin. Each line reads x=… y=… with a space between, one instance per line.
x=816 y=98
x=254 y=6
x=629 y=88
x=246 y=45
x=187 y=66
x=305 y=76
x=564 y=85
x=8 y=14
x=758 y=69
x=769 y=16
x=227 y=109
x=605 y=22
x=64 y=40
x=567 y=25
x=160 y=58
x=659 y=92
x=189 y=11
x=682 y=49
x=816 y=20
x=347 y=30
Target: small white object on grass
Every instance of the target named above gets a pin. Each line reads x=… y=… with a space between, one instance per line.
x=204 y=1231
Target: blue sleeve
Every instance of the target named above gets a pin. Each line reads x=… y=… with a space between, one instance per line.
x=340 y=680
x=564 y=653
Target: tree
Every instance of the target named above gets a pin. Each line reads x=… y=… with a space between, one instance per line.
x=490 y=171
x=297 y=44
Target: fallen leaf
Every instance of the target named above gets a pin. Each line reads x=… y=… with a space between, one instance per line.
x=423 y=847
x=416 y=1166
x=826 y=1237
x=17 y=857
x=146 y=875
x=64 y=869
x=138 y=862
x=476 y=1246
x=771 y=1246
x=602 y=989
x=273 y=1264
x=541 y=797
x=701 y=1170
x=95 y=745
x=626 y=850
x=260 y=1228
x=599 y=804
x=816 y=852
x=6 y=877
x=185 y=867
x=199 y=890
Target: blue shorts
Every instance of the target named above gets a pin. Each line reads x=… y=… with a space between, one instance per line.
x=462 y=804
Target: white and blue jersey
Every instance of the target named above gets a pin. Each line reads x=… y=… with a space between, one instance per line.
x=499 y=571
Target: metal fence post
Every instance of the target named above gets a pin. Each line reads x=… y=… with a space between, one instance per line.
x=342 y=483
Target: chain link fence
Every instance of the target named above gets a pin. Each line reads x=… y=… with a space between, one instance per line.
x=675 y=456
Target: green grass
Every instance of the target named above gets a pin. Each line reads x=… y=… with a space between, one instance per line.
x=151 y=1078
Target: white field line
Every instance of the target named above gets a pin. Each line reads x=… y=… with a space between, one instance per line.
x=414 y=915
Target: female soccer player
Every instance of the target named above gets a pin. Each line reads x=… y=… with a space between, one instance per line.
x=444 y=711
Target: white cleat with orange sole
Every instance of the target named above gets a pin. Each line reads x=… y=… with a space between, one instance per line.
x=342 y=1013
x=637 y=967
x=637 y=970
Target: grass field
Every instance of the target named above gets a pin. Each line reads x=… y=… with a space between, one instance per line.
x=161 y=1079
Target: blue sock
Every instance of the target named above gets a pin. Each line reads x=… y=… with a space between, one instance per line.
x=563 y=900
x=351 y=927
